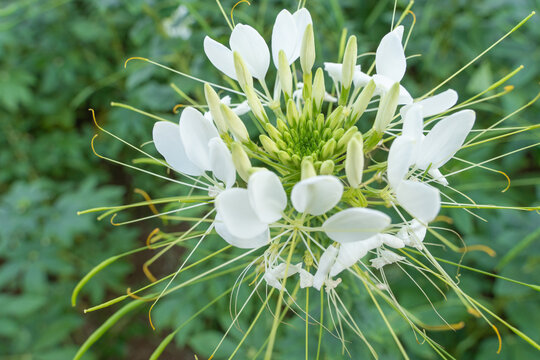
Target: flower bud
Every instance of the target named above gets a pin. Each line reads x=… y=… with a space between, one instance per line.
x=241 y=161
x=328 y=149
x=327 y=167
x=336 y=117
x=283 y=156
x=318 y=89
x=256 y=105
x=387 y=109
x=354 y=162
x=296 y=160
x=235 y=124
x=292 y=113
x=343 y=140
x=281 y=126
x=272 y=131
x=268 y=144
x=307 y=168
x=307 y=52
x=362 y=101
x=285 y=75
x=242 y=73
x=214 y=104
x=338 y=134
x=349 y=63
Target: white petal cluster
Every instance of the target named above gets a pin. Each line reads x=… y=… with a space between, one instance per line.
x=194 y=146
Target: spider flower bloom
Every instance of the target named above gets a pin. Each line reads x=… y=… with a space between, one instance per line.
x=315 y=197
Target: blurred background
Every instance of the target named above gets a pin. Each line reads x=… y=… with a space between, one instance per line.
x=60 y=57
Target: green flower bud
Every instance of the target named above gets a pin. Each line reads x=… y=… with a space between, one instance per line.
x=387 y=109
x=327 y=167
x=268 y=144
x=283 y=156
x=256 y=105
x=296 y=160
x=354 y=162
x=281 y=126
x=292 y=113
x=338 y=134
x=318 y=89
x=328 y=149
x=242 y=73
x=235 y=124
x=307 y=168
x=285 y=75
x=349 y=62
x=362 y=101
x=344 y=140
x=272 y=132
x=307 y=52
x=319 y=122
x=336 y=117
x=281 y=144
x=214 y=104
x=241 y=161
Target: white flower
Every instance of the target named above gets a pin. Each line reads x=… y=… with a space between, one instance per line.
x=241 y=109
x=194 y=146
x=273 y=275
x=413 y=234
x=390 y=64
x=249 y=44
x=316 y=195
x=247 y=213
x=385 y=257
x=350 y=253
x=288 y=33
x=326 y=261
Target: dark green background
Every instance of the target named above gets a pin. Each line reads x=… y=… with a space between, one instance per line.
x=60 y=57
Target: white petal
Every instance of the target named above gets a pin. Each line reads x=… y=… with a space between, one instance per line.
x=316 y=195
x=334 y=70
x=252 y=48
x=399 y=32
x=404 y=97
x=284 y=37
x=242 y=243
x=350 y=253
x=438 y=103
x=267 y=196
x=234 y=208
x=420 y=200
x=445 y=139
x=220 y=56
x=196 y=131
x=355 y=224
x=438 y=176
x=413 y=123
x=413 y=234
x=169 y=144
x=399 y=159
x=221 y=162
x=392 y=241
x=360 y=78
x=306 y=279
x=325 y=264
x=386 y=257
x=390 y=57
x=302 y=18
x=242 y=109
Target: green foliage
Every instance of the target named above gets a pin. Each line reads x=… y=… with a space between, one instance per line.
x=60 y=57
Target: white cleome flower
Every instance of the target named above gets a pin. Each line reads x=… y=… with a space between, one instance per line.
x=194 y=146
x=288 y=33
